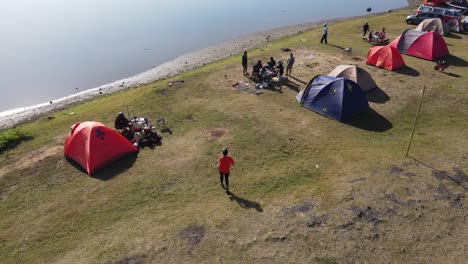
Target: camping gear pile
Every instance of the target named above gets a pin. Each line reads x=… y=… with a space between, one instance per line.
x=266 y=77
x=140 y=133
x=441 y=65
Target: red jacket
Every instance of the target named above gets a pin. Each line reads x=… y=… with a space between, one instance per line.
x=224 y=164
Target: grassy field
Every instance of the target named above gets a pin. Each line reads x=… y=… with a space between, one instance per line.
x=306 y=189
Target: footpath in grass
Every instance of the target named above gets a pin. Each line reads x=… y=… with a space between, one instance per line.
x=306 y=189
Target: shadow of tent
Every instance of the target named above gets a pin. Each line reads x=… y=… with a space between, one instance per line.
x=451 y=35
x=115 y=168
x=110 y=171
x=244 y=203
x=407 y=70
x=377 y=95
x=371 y=121
x=455 y=61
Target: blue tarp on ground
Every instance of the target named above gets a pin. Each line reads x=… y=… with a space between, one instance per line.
x=333 y=97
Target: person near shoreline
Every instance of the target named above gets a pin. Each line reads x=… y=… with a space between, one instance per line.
x=382 y=36
x=256 y=70
x=324 y=34
x=280 y=71
x=272 y=63
x=244 y=63
x=289 y=64
x=224 y=165
x=121 y=122
x=365 y=29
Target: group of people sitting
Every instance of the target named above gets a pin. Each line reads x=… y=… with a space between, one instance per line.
x=376 y=37
x=270 y=73
x=137 y=130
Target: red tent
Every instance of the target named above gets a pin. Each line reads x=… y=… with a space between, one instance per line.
x=386 y=57
x=93 y=145
x=424 y=45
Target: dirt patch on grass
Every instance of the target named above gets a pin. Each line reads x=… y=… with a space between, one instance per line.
x=303 y=207
x=317 y=221
x=454 y=199
x=459 y=176
x=218 y=132
x=189 y=117
x=367 y=214
x=132 y=260
x=31 y=158
x=193 y=235
x=162 y=92
x=395 y=169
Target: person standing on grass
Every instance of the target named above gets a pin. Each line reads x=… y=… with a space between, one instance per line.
x=365 y=29
x=224 y=164
x=289 y=64
x=244 y=63
x=324 y=34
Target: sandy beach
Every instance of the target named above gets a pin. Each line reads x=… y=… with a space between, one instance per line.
x=11 y=118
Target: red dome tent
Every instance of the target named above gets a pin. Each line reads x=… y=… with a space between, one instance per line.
x=424 y=45
x=386 y=57
x=93 y=146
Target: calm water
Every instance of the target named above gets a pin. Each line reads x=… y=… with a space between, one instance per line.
x=50 y=47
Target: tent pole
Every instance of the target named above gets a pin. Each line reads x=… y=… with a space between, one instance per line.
x=415 y=121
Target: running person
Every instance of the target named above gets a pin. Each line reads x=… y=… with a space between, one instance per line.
x=224 y=165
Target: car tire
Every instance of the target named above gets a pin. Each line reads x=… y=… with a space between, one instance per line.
x=409 y=21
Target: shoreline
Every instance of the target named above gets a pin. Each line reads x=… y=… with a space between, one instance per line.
x=17 y=116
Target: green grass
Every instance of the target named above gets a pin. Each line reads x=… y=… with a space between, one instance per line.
x=11 y=138
x=285 y=155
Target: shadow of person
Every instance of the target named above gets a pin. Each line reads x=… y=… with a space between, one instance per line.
x=371 y=121
x=336 y=46
x=166 y=130
x=244 y=203
x=291 y=85
x=378 y=96
x=455 y=61
x=452 y=74
x=296 y=79
x=110 y=171
x=407 y=70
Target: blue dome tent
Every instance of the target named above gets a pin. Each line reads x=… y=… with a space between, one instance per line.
x=333 y=97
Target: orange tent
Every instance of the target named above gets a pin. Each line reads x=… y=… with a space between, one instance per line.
x=94 y=146
x=386 y=57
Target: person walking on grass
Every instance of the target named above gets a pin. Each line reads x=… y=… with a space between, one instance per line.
x=244 y=63
x=289 y=64
x=324 y=34
x=365 y=29
x=224 y=165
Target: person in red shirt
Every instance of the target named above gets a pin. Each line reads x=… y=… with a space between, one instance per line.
x=224 y=164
